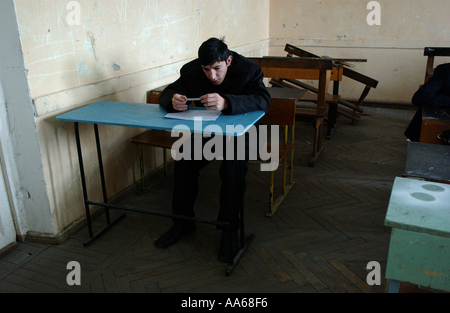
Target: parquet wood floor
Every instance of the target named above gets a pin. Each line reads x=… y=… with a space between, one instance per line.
x=321 y=239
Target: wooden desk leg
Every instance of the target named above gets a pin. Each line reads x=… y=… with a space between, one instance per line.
x=141 y=161
x=291 y=170
x=166 y=171
x=332 y=119
x=317 y=146
x=283 y=184
x=271 y=186
x=332 y=112
x=430 y=64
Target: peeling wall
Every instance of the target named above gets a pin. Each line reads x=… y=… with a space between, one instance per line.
x=339 y=28
x=122 y=37
x=120 y=50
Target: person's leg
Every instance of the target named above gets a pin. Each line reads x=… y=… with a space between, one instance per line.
x=186 y=174
x=185 y=189
x=414 y=128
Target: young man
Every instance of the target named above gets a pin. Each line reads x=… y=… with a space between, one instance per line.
x=228 y=82
x=435 y=93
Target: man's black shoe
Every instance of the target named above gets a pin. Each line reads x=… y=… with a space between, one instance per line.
x=174 y=234
x=224 y=249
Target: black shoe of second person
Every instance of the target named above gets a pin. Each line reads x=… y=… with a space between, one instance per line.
x=174 y=234
x=225 y=243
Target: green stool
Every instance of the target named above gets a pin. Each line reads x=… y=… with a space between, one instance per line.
x=419 y=250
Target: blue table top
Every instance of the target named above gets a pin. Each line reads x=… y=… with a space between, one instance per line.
x=152 y=116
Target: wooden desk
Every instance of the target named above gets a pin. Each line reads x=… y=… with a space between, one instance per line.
x=291 y=95
x=282 y=113
x=428 y=161
x=349 y=73
x=303 y=68
x=337 y=72
x=419 y=251
x=434 y=122
x=150 y=116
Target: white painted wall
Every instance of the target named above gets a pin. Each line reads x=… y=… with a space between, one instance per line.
x=339 y=28
x=7 y=230
x=18 y=136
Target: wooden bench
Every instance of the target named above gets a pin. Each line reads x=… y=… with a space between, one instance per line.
x=355 y=109
x=304 y=68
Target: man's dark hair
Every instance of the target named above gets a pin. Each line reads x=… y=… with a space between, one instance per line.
x=213 y=50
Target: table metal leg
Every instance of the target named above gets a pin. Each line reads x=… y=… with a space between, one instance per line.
x=102 y=173
x=100 y=233
x=83 y=181
x=92 y=236
x=239 y=255
x=244 y=244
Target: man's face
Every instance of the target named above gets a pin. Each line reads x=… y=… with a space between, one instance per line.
x=217 y=72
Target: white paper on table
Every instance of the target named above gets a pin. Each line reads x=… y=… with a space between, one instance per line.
x=190 y=115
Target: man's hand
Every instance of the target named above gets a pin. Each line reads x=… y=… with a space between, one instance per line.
x=179 y=102
x=214 y=101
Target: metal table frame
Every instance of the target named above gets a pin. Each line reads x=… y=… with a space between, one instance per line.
x=146 y=116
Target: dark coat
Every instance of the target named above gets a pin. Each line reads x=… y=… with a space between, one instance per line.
x=435 y=93
x=243 y=86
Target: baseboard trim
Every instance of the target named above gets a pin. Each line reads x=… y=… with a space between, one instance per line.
x=8 y=249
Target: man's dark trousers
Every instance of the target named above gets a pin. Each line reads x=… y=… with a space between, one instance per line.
x=232 y=174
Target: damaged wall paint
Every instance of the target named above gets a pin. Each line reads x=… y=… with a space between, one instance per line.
x=137 y=35
x=82 y=69
x=116 y=67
